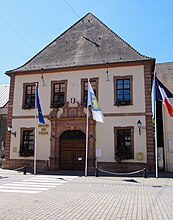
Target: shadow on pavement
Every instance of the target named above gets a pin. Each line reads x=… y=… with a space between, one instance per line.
x=131 y=181
x=3 y=177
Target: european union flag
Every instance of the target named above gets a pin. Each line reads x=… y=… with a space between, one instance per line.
x=38 y=106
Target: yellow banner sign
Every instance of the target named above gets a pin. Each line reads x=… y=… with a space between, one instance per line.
x=43 y=129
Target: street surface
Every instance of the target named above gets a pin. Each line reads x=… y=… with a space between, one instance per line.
x=62 y=197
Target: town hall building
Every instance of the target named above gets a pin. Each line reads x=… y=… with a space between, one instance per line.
x=121 y=78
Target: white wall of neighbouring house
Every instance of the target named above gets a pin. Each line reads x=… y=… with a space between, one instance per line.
x=165 y=75
x=168 y=138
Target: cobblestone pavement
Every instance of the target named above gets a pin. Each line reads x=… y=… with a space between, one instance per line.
x=75 y=197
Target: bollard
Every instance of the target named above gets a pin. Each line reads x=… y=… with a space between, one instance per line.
x=24 y=170
x=145 y=173
x=96 y=172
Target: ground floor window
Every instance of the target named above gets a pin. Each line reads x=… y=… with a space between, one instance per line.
x=124 y=143
x=27 y=142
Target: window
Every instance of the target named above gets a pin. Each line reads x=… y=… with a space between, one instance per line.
x=58 y=93
x=124 y=143
x=84 y=91
x=27 y=142
x=123 y=90
x=28 y=96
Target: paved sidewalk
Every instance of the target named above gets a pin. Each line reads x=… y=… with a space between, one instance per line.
x=94 y=198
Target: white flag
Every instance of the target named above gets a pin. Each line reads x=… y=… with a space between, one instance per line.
x=92 y=101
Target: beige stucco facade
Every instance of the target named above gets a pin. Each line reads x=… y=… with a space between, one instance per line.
x=121 y=116
x=106 y=88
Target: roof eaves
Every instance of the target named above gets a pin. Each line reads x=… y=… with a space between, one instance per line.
x=4 y=104
x=82 y=66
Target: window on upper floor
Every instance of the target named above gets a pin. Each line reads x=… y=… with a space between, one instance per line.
x=84 y=89
x=124 y=143
x=58 y=93
x=27 y=142
x=123 y=94
x=28 y=95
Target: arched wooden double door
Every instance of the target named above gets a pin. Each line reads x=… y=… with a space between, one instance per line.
x=72 y=150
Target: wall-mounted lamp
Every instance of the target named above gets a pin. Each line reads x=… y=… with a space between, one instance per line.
x=10 y=130
x=107 y=72
x=139 y=124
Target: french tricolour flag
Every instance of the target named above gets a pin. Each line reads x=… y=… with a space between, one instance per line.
x=162 y=96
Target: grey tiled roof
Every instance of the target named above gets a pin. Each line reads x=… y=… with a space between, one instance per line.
x=87 y=42
x=164 y=68
x=4 y=94
x=164 y=71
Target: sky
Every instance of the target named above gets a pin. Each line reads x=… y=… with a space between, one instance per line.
x=27 y=26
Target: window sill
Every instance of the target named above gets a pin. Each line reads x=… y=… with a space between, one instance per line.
x=26 y=154
x=26 y=107
x=60 y=105
x=122 y=104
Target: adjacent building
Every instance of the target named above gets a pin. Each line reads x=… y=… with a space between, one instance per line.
x=164 y=72
x=4 y=96
x=121 y=79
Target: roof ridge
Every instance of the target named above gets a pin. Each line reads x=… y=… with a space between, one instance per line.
x=168 y=62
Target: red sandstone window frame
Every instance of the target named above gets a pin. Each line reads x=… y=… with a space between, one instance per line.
x=130 y=129
x=123 y=102
x=27 y=139
x=84 y=88
x=26 y=104
x=58 y=83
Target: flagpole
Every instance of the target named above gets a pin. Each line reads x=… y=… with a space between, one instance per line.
x=35 y=145
x=156 y=157
x=86 y=147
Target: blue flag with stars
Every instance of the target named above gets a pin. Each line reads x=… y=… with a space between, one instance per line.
x=38 y=106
